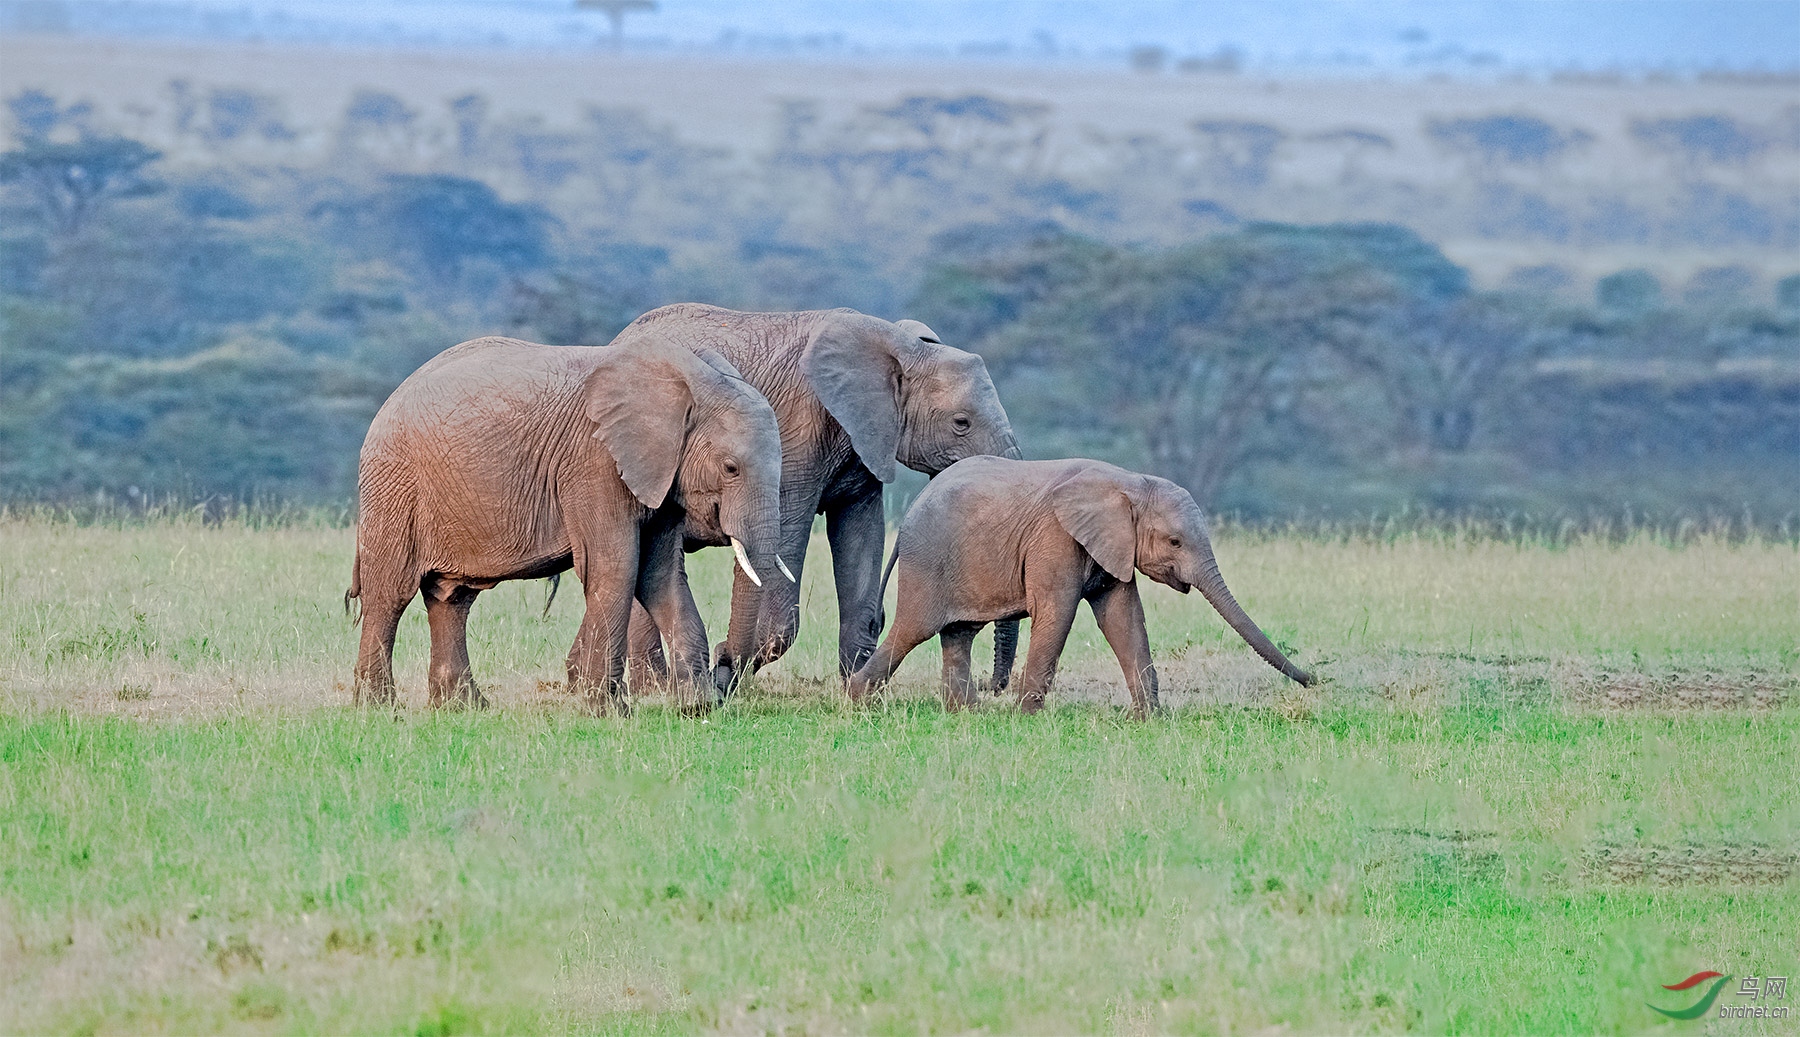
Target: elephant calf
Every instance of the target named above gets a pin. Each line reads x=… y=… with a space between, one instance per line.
x=506 y=460
x=994 y=539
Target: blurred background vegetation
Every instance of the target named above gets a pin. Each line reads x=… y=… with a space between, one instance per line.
x=206 y=298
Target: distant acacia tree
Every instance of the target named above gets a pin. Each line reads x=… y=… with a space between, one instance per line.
x=615 y=11
x=1700 y=139
x=444 y=222
x=70 y=182
x=1513 y=139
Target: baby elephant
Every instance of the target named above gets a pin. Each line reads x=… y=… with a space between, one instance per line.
x=993 y=539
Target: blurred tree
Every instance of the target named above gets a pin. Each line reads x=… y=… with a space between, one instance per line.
x=37 y=115
x=247 y=418
x=1193 y=353
x=442 y=223
x=1628 y=291
x=1700 y=139
x=70 y=182
x=616 y=282
x=1787 y=293
x=615 y=11
x=1496 y=140
x=233 y=113
x=1441 y=363
x=1238 y=154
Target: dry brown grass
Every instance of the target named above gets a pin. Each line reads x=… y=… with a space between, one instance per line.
x=734 y=103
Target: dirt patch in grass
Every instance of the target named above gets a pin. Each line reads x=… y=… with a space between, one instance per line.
x=1682 y=692
x=1195 y=679
x=1689 y=864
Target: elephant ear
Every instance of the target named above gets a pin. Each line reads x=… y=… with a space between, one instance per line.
x=852 y=361
x=1096 y=509
x=919 y=331
x=716 y=360
x=638 y=397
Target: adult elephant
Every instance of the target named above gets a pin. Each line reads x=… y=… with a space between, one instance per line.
x=854 y=396
x=507 y=460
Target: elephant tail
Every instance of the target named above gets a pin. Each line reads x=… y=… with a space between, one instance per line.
x=889 y=570
x=555 y=582
x=355 y=591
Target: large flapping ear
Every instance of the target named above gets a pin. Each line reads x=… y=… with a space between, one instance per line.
x=638 y=397
x=1095 y=507
x=852 y=361
x=919 y=331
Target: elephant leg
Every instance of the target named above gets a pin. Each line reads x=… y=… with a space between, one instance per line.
x=381 y=611
x=886 y=658
x=1006 y=645
x=663 y=591
x=646 y=667
x=450 y=681
x=737 y=653
x=596 y=664
x=1120 y=613
x=1050 y=623
x=958 y=642
x=917 y=619
x=856 y=532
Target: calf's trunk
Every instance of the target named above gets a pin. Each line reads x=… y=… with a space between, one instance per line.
x=1212 y=585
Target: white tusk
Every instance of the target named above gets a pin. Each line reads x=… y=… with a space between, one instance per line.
x=785 y=571
x=743 y=557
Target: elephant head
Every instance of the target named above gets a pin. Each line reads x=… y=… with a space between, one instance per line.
x=1128 y=521
x=903 y=396
x=687 y=426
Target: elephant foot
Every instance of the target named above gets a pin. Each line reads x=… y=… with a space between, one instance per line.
x=640 y=683
x=598 y=700
x=373 y=694
x=725 y=672
x=1029 y=704
x=860 y=690
x=698 y=698
x=460 y=694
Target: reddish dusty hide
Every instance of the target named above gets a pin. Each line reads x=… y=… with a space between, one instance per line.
x=993 y=539
x=507 y=460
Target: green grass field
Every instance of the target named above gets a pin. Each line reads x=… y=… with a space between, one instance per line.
x=1540 y=780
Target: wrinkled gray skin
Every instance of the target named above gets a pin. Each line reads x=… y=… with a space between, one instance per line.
x=994 y=539
x=853 y=395
x=506 y=460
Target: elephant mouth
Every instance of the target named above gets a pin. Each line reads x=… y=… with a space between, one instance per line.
x=1180 y=584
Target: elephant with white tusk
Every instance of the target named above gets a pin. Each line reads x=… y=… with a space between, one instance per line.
x=507 y=460
x=994 y=539
x=854 y=396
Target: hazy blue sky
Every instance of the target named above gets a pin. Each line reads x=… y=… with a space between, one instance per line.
x=1380 y=34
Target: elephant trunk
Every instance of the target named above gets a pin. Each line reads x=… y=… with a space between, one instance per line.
x=1212 y=585
x=754 y=526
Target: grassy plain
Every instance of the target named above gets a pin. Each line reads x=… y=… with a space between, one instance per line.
x=1541 y=779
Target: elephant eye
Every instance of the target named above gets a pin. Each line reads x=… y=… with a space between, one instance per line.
x=1174 y=541
x=731 y=468
x=960 y=423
